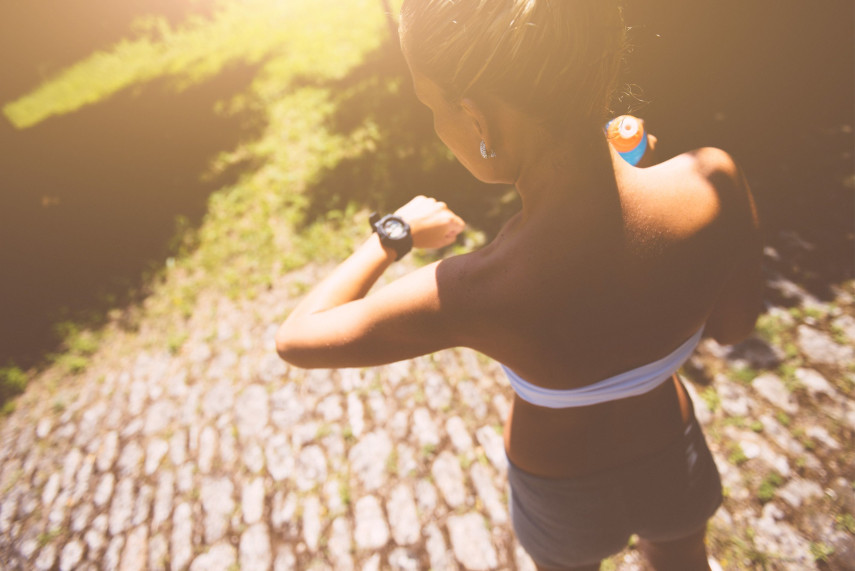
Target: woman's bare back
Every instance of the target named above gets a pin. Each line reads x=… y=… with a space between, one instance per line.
x=605 y=299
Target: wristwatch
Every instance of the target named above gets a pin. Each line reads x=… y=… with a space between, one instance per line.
x=394 y=233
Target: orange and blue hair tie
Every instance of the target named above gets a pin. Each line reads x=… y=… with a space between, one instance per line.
x=628 y=136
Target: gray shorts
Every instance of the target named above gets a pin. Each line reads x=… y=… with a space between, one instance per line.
x=565 y=522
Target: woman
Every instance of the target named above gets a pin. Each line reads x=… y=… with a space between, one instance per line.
x=591 y=296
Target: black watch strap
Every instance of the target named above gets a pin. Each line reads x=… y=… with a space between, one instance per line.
x=394 y=233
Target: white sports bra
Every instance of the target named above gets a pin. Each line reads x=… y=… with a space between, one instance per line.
x=628 y=384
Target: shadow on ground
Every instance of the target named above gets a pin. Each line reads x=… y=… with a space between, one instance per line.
x=91 y=199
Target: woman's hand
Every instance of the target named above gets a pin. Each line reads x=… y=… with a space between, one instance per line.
x=432 y=223
x=648 y=159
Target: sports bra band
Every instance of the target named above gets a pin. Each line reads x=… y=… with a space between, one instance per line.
x=628 y=384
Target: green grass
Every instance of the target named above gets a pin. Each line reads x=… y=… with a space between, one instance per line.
x=48 y=536
x=744 y=374
x=13 y=381
x=768 y=487
x=237 y=32
x=771 y=328
x=845 y=522
x=736 y=455
x=821 y=551
x=255 y=229
x=711 y=398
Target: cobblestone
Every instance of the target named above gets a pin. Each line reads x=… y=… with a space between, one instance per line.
x=108 y=451
x=251 y=411
x=821 y=349
x=155 y=452
x=403 y=515
x=311 y=468
x=255 y=552
x=51 y=489
x=135 y=552
x=312 y=522
x=340 y=544
x=285 y=559
x=182 y=536
x=438 y=553
x=773 y=390
x=371 y=530
x=222 y=457
x=221 y=557
x=158 y=552
x=217 y=502
x=94 y=537
x=493 y=446
x=122 y=507
x=489 y=494
x=424 y=428
x=163 y=499
x=283 y=509
x=45 y=558
x=459 y=434
x=355 y=414
x=449 y=479
x=368 y=459
x=71 y=555
x=252 y=501
x=112 y=557
x=471 y=542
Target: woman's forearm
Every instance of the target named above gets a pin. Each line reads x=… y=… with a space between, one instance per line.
x=312 y=327
x=351 y=280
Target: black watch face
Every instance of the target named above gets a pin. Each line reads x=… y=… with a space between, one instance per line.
x=394 y=229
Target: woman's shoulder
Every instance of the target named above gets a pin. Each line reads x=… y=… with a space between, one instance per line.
x=713 y=162
x=698 y=189
x=707 y=166
x=719 y=172
x=713 y=169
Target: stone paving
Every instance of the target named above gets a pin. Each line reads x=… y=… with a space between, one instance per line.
x=220 y=456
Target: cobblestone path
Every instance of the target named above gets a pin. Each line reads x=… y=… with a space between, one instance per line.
x=220 y=456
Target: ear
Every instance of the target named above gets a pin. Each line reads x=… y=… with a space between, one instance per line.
x=477 y=113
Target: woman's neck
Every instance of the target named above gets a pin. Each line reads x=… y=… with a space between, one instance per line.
x=576 y=174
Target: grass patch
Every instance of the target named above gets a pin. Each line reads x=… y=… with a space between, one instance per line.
x=734 y=552
x=711 y=398
x=344 y=493
x=736 y=455
x=821 y=551
x=175 y=341
x=744 y=374
x=770 y=328
x=392 y=461
x=845 y=522
x=48 y=536
x=791 y=351
x=465 y=460
x=13 y=381
x=768 y=487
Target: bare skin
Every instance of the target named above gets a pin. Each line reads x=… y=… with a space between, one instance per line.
x=607 y=267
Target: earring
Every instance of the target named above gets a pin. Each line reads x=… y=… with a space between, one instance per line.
x=484 y=154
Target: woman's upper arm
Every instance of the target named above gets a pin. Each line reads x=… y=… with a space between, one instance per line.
x=407 y=318
x=740 y=299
